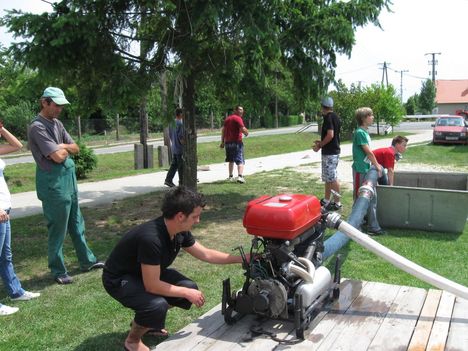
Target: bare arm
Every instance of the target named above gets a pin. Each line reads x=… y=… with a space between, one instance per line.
x=222 y=138
x=245 y=131
x=13 y=143
x=370 y=155
x=320 y=144
x=71 y=148
x=391 y=176
x=199 y=251
x=65 y=150
x=154 y=285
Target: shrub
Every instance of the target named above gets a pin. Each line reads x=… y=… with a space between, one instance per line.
x=16 y=118
x=85 y=161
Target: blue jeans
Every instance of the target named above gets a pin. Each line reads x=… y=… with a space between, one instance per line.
x=7 y=272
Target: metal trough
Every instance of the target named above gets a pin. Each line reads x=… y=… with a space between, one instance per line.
x=432 y=201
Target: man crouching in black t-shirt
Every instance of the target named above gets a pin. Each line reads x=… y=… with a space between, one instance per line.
x=137 y=272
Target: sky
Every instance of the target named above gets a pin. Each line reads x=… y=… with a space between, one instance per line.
x=411 y=30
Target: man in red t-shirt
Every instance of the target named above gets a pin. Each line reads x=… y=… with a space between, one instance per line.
x=231 y=141
x=386 y=157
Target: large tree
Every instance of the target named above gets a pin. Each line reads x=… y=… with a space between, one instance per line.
x=427 y=97
x=233 y=42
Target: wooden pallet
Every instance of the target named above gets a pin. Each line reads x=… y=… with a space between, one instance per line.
x=367 y=316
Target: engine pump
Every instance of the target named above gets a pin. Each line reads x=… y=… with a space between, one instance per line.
x=285 y=278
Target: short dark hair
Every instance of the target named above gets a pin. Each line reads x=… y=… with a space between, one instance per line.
x=399 y=139
x=48 y=100
x=181 y=199
x=179 y=111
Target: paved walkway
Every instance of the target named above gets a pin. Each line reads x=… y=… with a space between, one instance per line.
x=97 y=193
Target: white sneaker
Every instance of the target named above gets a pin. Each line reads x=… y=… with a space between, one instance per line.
x=28 y=295
x=241 y=180
x=6 y=310
x=231 y=179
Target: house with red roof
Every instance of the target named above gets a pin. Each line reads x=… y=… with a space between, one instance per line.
x=451 y=95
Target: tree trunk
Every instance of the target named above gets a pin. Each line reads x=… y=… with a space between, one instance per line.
x=164 y=111
x=117 y=127
x=78 y=125
x=144 y=131
x=190 y=135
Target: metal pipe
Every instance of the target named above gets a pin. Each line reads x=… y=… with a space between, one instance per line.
x=310 y=266
x=302 y=273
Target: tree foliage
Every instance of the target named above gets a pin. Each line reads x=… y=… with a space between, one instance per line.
x=427 y=97
x=239 y=46
x=384 y=102
x=412 y=105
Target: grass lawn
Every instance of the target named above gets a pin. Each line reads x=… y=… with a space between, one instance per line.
x=83 y=317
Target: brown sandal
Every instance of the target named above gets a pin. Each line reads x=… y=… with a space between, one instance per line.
x=156 y=332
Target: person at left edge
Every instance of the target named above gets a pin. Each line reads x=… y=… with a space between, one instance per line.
x=10 y=280
x=56 y=186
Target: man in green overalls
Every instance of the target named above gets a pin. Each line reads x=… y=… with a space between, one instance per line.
x=56 y=185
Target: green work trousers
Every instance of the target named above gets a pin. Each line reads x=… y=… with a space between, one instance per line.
x=58 y=192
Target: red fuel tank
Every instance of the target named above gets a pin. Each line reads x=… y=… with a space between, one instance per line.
x=282 y=216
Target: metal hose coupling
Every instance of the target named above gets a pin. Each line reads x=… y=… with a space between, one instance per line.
x=367 y=190
x=333 y=220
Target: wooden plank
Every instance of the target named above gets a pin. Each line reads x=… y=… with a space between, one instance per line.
x=227 y=338
x=327 y=320
x=362 y=319
x=458 y=334
x=396 y=330
x=282 y=329
x=441 y=324
x=423 y=327
x=212 y=322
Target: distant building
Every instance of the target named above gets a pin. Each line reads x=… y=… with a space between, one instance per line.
x=451 y=95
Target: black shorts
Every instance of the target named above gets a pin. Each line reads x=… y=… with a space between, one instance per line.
x=150 y=310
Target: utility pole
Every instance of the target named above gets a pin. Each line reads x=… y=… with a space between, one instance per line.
x=385 y=73
x=384 y=78
x=433 y=62
x=401 y=83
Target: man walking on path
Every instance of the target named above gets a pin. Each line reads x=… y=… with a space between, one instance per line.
x=177 y=140
x=56 y=185
x=330 y=145
x=231 y=140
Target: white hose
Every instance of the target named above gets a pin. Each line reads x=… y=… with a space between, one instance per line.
x=310 y=266
x=403 y=263
x=306 y=277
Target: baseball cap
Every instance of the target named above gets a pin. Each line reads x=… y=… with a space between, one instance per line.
x=56 y=95
x=327 y=102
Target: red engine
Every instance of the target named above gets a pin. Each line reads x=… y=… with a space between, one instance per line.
x=282 y=216
x=285 y=278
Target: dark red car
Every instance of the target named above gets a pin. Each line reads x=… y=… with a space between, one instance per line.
x=450 y=130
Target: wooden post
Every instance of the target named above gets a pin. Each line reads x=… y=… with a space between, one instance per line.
x=117 y=126
x=78 y=125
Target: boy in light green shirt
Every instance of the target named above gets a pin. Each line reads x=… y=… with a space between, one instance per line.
x=363 y=158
